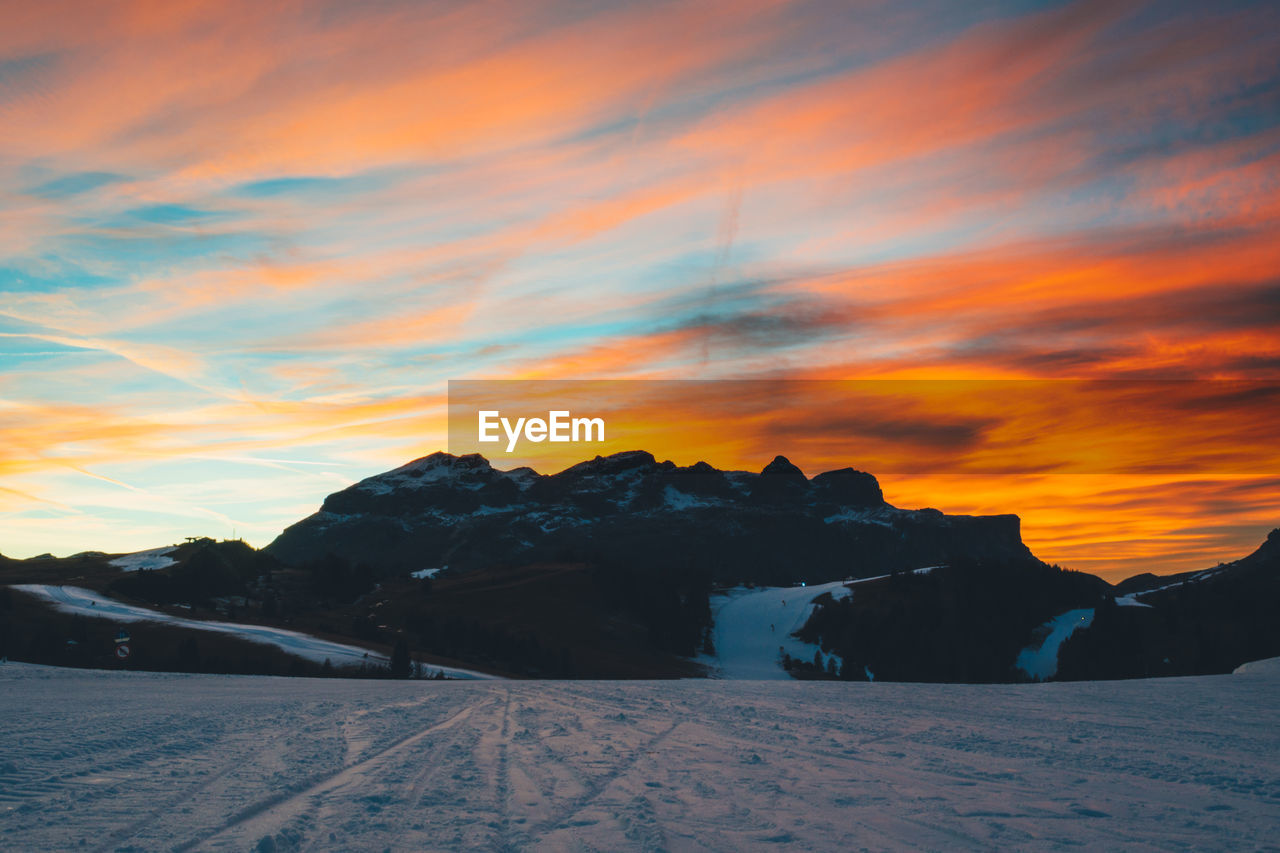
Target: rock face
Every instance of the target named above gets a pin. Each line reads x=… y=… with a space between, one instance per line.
x=775 y=527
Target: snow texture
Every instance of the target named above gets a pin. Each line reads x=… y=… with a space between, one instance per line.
x=86 y=602
x=138 y=761
x=145 y=560
x=1041 y=661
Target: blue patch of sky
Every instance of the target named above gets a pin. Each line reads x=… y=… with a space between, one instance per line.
x=21 y=75
x=15 y=68
x=176 y=215
x=27 y=348
x=47 y=273
x=309 y=186
x=149 y=249
x=914 y=28
x=76 y=183
x=1151 y=16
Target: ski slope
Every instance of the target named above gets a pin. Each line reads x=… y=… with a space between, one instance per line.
x=86 y=602
x=1041 y=660
x=754 y=627
x=156 y=558
x=143 y=761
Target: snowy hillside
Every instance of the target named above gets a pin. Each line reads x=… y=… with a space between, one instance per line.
x=156 y=558
x=85 y=602
x=109 y=761
x=755 y=627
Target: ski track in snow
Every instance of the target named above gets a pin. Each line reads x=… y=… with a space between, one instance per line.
x=142 y=761
x=86 y=602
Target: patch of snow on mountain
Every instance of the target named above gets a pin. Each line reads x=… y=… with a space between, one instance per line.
x=840 y=593
x=676 y=499
x=1041 y=661
x=427 y=573
x=434 y=469
x=145 y=560
x=754 y=627
x=1131 y=600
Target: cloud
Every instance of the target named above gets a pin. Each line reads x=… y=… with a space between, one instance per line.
x=264 y=227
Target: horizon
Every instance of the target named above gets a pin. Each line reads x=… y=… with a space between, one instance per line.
x=1111 y=575
x=244 y=247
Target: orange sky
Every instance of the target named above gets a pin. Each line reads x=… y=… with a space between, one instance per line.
x=244 y=246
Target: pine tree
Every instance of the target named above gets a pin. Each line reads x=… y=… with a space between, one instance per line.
x=401 y=665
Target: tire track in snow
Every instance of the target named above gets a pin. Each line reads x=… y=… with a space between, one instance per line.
x=601 y=783
x=264 y=810
x=167 y=807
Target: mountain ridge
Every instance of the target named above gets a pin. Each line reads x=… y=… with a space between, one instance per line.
x=461 y=512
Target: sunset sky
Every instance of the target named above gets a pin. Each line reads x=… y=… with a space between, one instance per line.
x=243 y=246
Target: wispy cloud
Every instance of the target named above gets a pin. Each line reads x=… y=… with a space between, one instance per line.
x=248 y=231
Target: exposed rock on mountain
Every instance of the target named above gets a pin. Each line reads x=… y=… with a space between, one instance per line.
x=776 y=527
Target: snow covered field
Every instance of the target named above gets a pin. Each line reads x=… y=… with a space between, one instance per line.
x=132 y=761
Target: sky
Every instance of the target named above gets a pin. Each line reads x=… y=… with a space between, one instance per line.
x=245 y=245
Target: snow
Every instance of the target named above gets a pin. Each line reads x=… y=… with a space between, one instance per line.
x=145 y=560
x=1131 y=600
x=676 y=499
x=753 y=627
x=861 y=516
x=1041 y=661
x=145 y=761
x=1269 y=667
x=86 y=602
x=427 y=573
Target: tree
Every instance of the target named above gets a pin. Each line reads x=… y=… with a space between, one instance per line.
x=401 y=665
x=189 y=655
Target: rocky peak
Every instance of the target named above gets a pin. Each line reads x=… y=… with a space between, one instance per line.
x=848 y=487
x=630 y=508
x=616 y=463
x=782 y=469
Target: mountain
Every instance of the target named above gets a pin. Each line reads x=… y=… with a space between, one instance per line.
x=777 y=527
x=1010 y=621
x=1192 y=623
x=622 y=567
